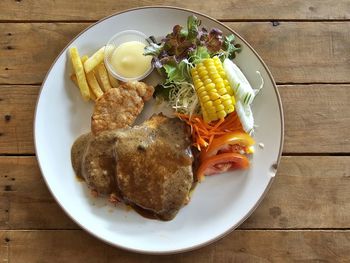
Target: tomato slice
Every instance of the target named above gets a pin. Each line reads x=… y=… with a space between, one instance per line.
x=231 y=142
x=222 y=163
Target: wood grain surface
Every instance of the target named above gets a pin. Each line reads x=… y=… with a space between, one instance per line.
x=305 y=217
x=225 y=9
x=239 y=246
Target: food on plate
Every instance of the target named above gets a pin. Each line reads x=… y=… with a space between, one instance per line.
x=95 y=88
x=96 y=76
x=148 y=167
x=207 y=90
x=80 y=73
x=213 y=90
x=94 y=60
x=98 y=164
x=102 y=77
x=93 y=160
x=114 y=82
x=154 y=165
x=244 y=93
x=119 y=107
x=77 y=153
x=128 y=61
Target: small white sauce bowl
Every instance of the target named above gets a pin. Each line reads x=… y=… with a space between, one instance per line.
x=117 y=40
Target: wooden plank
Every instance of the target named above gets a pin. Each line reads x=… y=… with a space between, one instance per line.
x=309 y=123
x=296 y=52
x=17 y=105
x=289 y=203
x=317 y=118
x=239 y=246
x=238 y=9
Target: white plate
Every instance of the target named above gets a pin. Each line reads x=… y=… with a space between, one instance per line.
x=219 y=204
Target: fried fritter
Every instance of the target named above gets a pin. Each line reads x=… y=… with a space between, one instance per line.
x=119 y=107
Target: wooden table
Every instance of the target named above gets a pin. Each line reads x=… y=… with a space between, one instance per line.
x=306 y=214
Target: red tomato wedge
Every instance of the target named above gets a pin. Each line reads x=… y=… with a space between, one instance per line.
x=222 y=163
x=231 y=142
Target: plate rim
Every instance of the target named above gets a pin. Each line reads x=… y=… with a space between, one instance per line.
x=275 y=165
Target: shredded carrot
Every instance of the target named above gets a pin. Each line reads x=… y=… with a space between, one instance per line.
x=204 y=133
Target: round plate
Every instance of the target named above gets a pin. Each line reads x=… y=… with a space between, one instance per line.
x=218 y=205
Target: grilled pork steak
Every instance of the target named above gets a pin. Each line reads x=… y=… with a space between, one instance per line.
x=93 y=160
x=154 y=165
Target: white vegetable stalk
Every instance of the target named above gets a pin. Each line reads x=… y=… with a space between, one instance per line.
x=241 y=87
x=244 y=94
x=245 y=115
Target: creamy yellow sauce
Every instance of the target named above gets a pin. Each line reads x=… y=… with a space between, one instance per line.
x=128 y=60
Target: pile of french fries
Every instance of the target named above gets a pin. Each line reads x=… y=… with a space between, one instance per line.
x=90 y=74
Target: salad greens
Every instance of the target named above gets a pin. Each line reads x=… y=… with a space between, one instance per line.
x=181 y=50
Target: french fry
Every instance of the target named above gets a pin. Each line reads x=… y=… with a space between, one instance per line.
x=114 y=82
x=94 y=60
x=95 y=90
x=80 y=73
x=75 y=81
x=84 y=58
x=102 y=76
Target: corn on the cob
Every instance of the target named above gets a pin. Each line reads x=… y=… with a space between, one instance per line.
x=213 y=89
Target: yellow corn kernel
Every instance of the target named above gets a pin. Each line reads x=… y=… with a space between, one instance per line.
x=222 y=91
x=212 y=68
x=222 y=73
x=215 y=76
x=202 y=94
x=205 y=98
x=207 y=81
x=226 y=103
x=220 y=107
x=198 y=84
x=229 y=91
x=220 y=85
x=233 y=100
x=221 y=114
x=210 y=86
x=202 y=73
x=217 y=102
x=230 y=109
x=196 y=78
x=214 y=96
x=208 y=104
x=201 y=89
x=220 y=82
x=201 y=68
x=211 y=110
x=225 y=97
